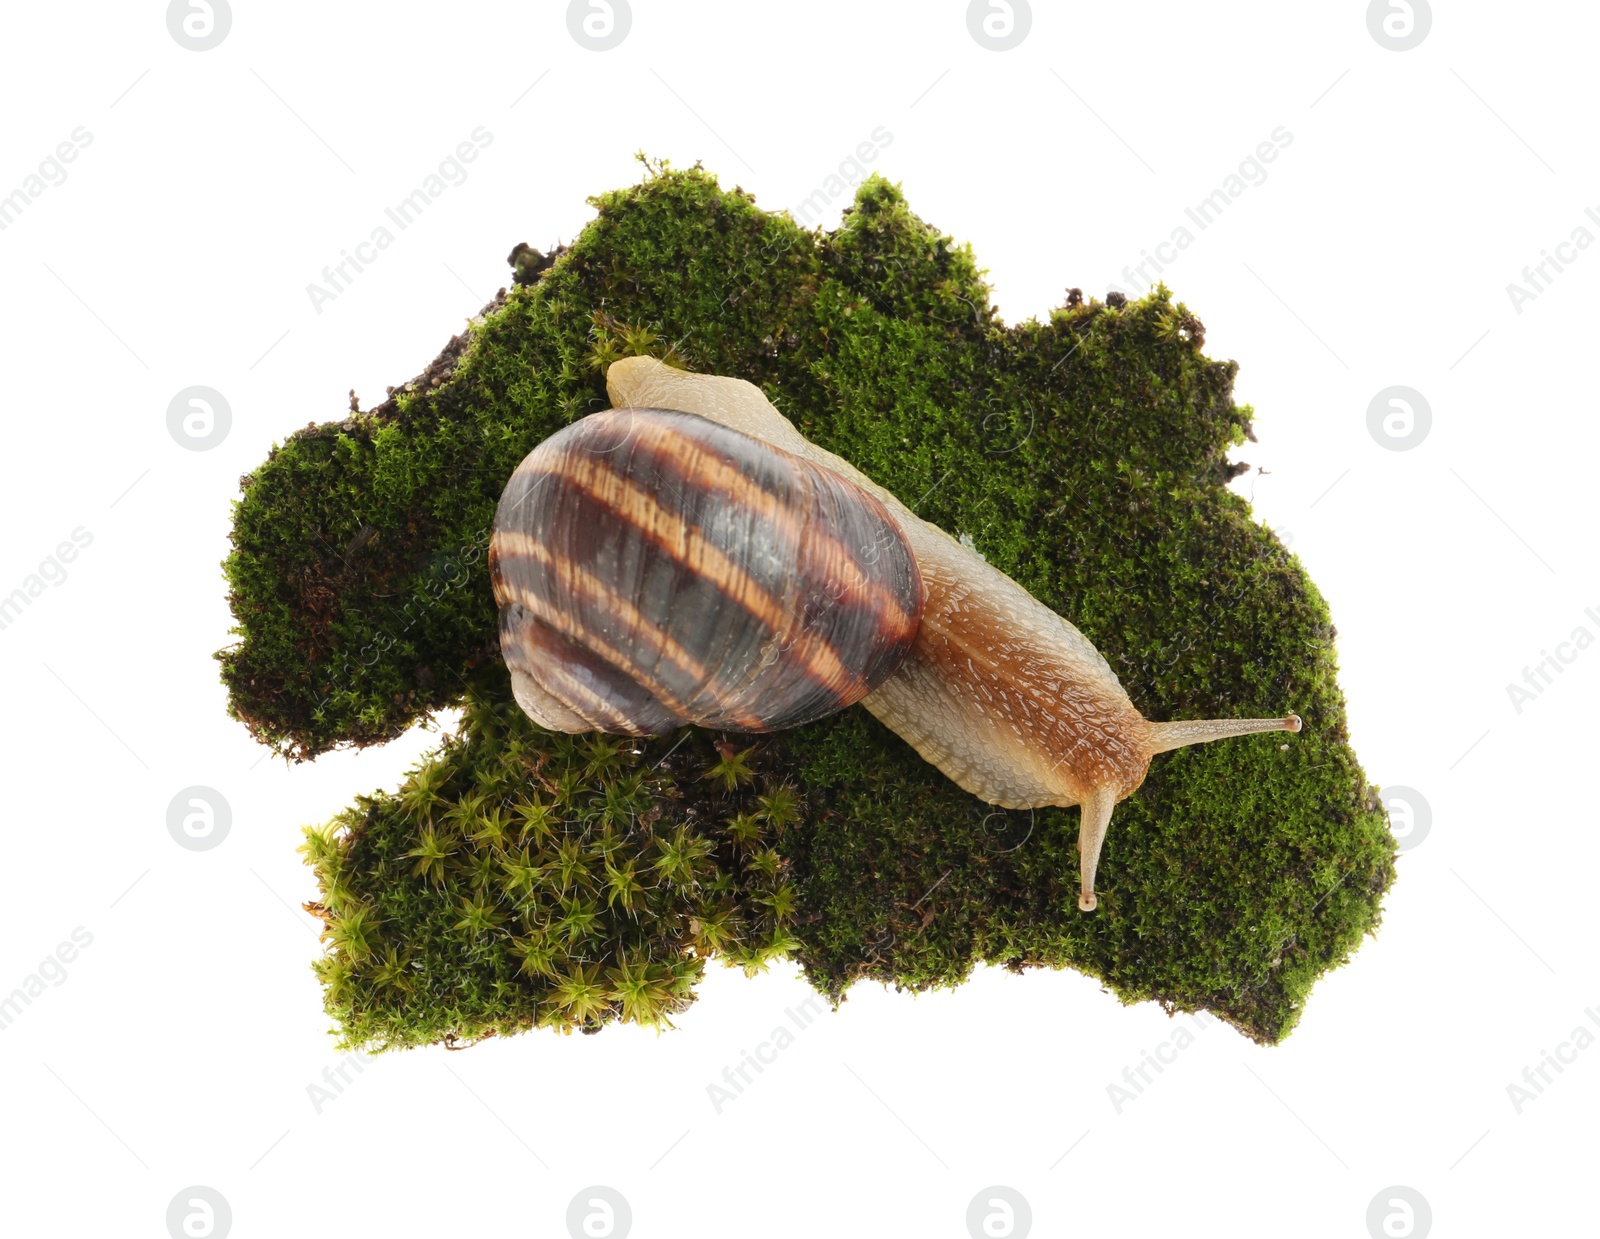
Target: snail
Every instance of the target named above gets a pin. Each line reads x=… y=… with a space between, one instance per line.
x=1001 y=694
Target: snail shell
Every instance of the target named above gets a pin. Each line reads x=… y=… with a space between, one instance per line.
x=654 y=568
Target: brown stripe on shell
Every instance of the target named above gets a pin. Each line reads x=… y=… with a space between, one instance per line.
x=566 y=671
x=556 y=620
x=834 y=601
x=586 y=704
x=513 y=544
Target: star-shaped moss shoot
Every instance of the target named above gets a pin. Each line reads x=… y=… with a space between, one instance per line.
x=520 y=879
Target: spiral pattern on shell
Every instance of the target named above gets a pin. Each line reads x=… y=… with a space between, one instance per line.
x=654 y=568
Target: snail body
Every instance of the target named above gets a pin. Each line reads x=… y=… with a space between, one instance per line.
x=1001 y=694
x=654 y=569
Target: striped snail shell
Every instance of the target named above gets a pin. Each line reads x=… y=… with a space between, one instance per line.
x=654 y=568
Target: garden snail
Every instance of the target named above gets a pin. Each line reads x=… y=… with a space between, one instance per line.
x=1003 y=695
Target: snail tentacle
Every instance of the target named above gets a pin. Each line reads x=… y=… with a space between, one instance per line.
x=1164 y=737
x=1096 y=817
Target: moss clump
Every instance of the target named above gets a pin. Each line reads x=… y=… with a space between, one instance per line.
x=1084 y=455
x=519 y=879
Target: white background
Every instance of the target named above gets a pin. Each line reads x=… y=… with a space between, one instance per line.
x=180 y=1046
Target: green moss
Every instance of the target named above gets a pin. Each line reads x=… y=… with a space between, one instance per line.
x=1084 y=455
x=518 y=880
